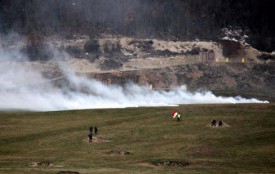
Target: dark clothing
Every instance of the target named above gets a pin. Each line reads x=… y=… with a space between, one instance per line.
x=96 y=130
x=90 y=135
x=178 y=119
x=213 y=123
x=91 y=129
x=220 y=123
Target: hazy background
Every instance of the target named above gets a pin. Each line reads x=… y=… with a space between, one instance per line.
x=178 y=19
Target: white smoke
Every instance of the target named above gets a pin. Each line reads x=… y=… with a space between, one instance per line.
x=24 y=88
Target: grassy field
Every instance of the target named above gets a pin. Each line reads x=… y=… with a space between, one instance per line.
x=148 y=134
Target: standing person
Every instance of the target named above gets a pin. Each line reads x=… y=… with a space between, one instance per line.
x=96 y=130
x=90 y=135
x=176 y=115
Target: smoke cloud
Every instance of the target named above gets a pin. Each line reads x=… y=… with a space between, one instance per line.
x=25 y=88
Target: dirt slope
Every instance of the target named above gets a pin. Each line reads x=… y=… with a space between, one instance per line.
x=164 y=64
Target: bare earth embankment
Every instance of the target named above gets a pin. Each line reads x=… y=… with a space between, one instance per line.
x=163 y=64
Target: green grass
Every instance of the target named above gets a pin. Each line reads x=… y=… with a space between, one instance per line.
x=149 y=134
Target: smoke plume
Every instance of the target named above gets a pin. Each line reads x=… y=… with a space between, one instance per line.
x=24 y=88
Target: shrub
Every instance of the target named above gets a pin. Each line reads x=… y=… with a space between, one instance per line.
x=91 y=46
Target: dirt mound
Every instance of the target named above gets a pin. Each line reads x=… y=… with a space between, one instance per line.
x=68 y=172
x=96 y=140
x=42 y=164
x=180 y=163
x=118 y=152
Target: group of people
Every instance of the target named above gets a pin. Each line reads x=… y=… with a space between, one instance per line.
x=214 y=123
x=90 y=135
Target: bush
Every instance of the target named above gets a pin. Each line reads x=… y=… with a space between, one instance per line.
x=91 y=46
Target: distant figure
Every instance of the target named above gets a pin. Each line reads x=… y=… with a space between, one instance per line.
x=220 y=123
x=176 y=114
x=91 y=130
x=96 y=130
x=178 y=118
x=213 y=123
x=90 y=135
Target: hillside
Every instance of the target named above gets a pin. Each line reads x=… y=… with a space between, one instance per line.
x=158 y=64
